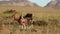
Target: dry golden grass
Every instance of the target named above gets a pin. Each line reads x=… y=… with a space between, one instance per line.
x=50 y=16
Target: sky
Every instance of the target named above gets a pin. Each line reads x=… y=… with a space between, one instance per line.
x=41 y=3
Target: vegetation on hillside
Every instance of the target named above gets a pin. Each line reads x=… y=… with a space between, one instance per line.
x=46 y=20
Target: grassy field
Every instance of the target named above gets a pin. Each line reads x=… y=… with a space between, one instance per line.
x=47 y=20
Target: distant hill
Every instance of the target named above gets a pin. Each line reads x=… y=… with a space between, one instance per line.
x=54 y=4
x=18 y=3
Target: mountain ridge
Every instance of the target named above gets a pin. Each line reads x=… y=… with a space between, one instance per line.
x=19 y=3
x=54 y=4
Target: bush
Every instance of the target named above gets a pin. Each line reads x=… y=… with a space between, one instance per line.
x=10 y=11
x=40 y=23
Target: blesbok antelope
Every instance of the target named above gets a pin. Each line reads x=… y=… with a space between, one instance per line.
x=23 y=21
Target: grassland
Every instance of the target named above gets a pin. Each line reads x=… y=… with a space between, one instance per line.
x=42 y=16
